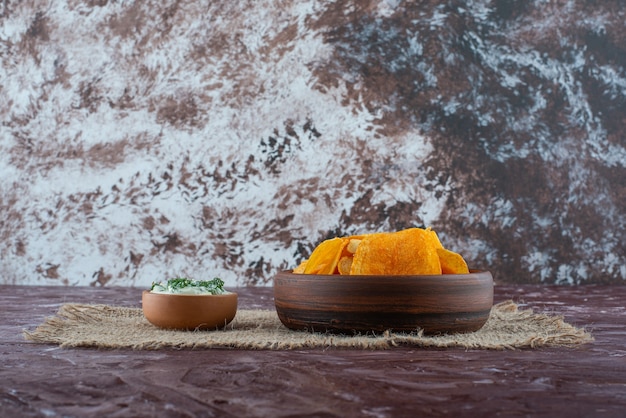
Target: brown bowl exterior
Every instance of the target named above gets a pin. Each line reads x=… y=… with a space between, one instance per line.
x=189 y=312
x=438 y=304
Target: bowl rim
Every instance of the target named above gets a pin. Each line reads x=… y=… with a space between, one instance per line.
x=149 y=292
x=472 y=274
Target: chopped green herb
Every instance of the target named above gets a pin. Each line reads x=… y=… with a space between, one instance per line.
x=189 y=286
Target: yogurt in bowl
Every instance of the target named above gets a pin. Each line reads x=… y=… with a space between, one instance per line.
x=185 y=304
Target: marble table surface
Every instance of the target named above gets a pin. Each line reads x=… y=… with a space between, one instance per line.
x=40 y=380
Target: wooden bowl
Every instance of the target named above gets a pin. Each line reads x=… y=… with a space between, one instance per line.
x=449 y=303
x=189 y=312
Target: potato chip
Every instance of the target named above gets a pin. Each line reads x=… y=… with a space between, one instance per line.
x=325 y=257
x=301 y=267
x=344 y=265
x=353 y=244
x=451 y=262
x=411 y=252
x=433 y=238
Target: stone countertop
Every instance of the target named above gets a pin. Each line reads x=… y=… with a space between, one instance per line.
x=44 y=380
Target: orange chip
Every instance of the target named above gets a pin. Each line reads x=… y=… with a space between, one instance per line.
x=301 y=267
x=347 y=253
x=353 y=243
x=325 y=257
x=451 y=262
x=433 y=238
x=344 y=265
x=412 y=251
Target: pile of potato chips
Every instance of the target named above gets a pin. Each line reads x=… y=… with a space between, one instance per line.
x=413 y=251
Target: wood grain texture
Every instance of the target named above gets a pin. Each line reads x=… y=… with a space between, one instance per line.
x=435 y=304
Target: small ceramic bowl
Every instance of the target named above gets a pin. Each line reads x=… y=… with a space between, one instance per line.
x=189 y=312
x=437 y=304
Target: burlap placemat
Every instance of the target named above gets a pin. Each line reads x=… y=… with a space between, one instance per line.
x=102 y=326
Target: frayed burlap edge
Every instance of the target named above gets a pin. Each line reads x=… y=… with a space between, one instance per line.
x=109 y=327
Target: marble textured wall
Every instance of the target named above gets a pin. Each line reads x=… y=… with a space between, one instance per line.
x=144 y=139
